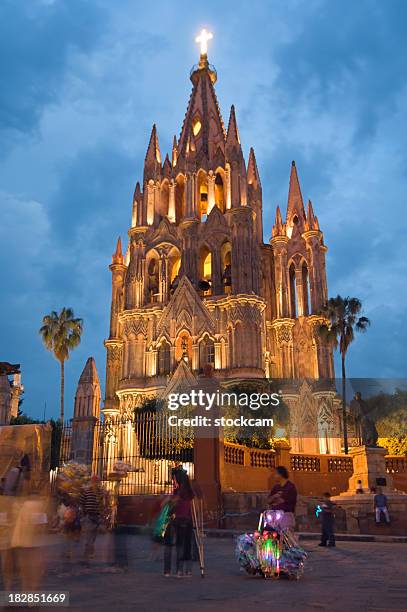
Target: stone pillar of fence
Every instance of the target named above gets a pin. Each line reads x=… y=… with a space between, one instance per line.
x=208 y=458
x=283 y=454
x=207 y=475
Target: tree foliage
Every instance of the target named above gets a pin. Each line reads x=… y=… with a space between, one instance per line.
x=389 y=412
x=61 y=333
x=342 y=320
x=259 y=436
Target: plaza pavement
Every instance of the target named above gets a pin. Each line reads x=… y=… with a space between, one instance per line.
x=354 y=577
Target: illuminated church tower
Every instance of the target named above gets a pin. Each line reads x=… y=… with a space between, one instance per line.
x=198 y=290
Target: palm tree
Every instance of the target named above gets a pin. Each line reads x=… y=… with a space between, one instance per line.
x=60 y=334
x=342 y=320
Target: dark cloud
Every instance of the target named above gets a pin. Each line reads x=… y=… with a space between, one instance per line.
x=36 y=39
x=356 y=56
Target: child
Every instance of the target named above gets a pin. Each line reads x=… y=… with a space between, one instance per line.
x=328 y=519
x=380 y=505
x=359 y=488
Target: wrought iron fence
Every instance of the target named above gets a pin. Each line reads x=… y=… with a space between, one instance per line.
x=147 y=443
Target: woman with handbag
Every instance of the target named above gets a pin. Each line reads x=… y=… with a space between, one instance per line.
x=179 y=529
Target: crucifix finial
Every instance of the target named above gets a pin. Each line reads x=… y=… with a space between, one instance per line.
x=202 y=39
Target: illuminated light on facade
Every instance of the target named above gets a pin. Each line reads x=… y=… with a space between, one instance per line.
x=198 y=282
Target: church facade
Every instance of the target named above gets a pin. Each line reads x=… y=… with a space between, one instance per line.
x=198 y=290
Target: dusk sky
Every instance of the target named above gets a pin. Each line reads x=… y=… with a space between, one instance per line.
x=322 y=83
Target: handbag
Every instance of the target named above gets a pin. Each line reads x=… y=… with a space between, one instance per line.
x=161 y=523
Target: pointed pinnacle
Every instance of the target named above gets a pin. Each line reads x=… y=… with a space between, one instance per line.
x=89 y=373
x=310 y=215
x=232 y=133
x=278 y=227
x=137 y=192
x=279 y=220
x=295 y=201
x=153 y=150
x=252 y=170
x=117 y=257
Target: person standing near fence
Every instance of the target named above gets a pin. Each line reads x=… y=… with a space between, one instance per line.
x=179 y=529
x=90 y=504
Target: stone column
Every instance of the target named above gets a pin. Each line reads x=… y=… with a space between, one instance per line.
x=211 y=191
x=195 y=357
x=171 y=204
x=172 y=358
x=208 y=459
x=300 y=292
x=227 y=188
x=150 y=202
x=218 y=355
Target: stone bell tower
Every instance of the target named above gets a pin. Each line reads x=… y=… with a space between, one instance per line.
x=198 y=284
x=86 y=414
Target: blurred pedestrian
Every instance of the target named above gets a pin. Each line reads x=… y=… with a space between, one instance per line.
x=8 y=561
x=328 y=521
x=29 y=539
x=179 y=530
x=69 y=525
x=90 y=503
x=283 y=496
x=13 y=481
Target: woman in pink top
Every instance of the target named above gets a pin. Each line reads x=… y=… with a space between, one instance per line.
x=180 y=526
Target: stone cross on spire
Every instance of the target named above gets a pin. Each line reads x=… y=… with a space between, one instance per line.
x=202 y=39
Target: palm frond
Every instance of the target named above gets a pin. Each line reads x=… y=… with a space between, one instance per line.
x=362 y=324
x=342 y=319
x=61 y=332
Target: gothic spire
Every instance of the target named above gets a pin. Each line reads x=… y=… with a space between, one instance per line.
x=137 y=192
x=87 y=397
x=253 y=177
x=89 y=373
x=152 y=162
x=278 y=227
x=136 y=212
x=232 y=138
x=153 y=150
x=117 y=257
x=295 y=205
x=167 y=167
x=311 y=219
x=203 y=119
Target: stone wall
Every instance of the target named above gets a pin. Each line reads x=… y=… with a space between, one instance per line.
x=251 y=469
